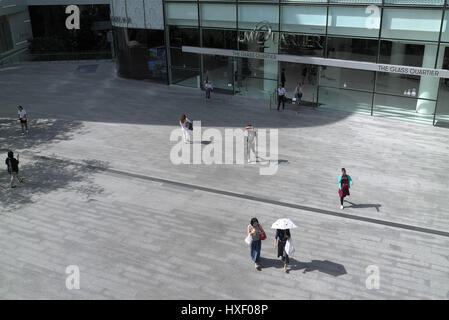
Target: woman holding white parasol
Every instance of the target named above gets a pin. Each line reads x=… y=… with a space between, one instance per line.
x=282 y=239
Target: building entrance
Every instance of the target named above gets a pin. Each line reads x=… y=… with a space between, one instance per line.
x=303 y=75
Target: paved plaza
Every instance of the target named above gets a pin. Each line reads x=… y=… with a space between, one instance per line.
x=101 y=193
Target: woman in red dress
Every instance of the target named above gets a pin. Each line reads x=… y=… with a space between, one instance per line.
x=344 y=183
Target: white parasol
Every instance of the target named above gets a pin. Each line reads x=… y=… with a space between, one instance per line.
x=283 y=224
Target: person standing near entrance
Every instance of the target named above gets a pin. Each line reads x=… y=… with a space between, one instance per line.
x=344 y=183
x=298 y=93
x=208 y=87
x=283 y=77
x=23 y=119
x=281 y=96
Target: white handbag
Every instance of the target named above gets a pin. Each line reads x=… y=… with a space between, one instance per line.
x=289 y=249
x=248 y=239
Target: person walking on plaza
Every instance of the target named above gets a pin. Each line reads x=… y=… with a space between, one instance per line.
x=208 y=87
x=281 y=96
x=282 y=239
x=298 y=93
x=257 y=234
x=186 y=125
x=13 y=168
x=344 y=183
x=283 y=77
x=250 y=142
x=23 y=118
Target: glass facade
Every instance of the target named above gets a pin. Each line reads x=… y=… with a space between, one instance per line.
x=413 y=33
x=5 y=35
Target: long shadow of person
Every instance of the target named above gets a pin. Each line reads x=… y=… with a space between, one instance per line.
x=361 y=206
x=325 y=266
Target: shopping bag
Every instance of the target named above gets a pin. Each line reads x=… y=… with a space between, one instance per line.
x=249 y=239
x=289 y=249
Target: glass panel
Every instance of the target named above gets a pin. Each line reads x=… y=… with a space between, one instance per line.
x=306 y=1
x=301 y=74
x=261 y=43
x=415 y=2
x=357 y=1
x=445 y=29
x=5 y=35
x=352 y=21
x=219 y=70
x=184 y=37
x=181 y=14
x=415 y=24
x=347 y=78
x=345 y=100
x=442 y=112
x=218 y=15
x=141 y=54
x=352 y=49
x=222 y=39
x=252 y=15
x=303 y=19
x=184 y=59
x=397 y=84
x=408 y=53
x=402 y=108
x=187 y=78
x=302 y=45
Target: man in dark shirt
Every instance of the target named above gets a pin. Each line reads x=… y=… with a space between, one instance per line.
x=13 y=168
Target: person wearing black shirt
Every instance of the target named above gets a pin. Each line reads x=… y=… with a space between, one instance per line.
x=280 y=239
x=13 y=168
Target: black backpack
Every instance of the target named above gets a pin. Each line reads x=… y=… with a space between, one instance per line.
x=13 y=165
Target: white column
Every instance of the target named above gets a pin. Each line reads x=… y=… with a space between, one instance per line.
x=397 y=53
x=428 y=86
x=270 y=67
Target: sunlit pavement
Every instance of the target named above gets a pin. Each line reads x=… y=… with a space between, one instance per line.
x=101 y=193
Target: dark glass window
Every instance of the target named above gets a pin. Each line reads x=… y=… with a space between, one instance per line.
x=5 y=35
x=184 y=37
x=302 y=45
x=141 y=54
x=352 y=49
x=399 y=53
x=222 y=39
x=184 y=59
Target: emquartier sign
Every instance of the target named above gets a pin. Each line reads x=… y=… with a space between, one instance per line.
x=369 y=66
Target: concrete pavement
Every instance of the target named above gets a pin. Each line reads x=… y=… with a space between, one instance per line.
x=98 y=144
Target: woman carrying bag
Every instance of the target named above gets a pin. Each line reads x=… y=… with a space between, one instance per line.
x=255 y=234
x=280 y=240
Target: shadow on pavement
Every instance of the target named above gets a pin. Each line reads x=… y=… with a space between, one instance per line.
x=362 y=206
x=44 y=176
x=324 y=266
x=41 y=131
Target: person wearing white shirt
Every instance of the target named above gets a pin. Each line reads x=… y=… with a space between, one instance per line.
x=281 y=96
x=208 y=87
x=251 y=136
x=23 y=119
x=298 y=93
x=186 y=125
